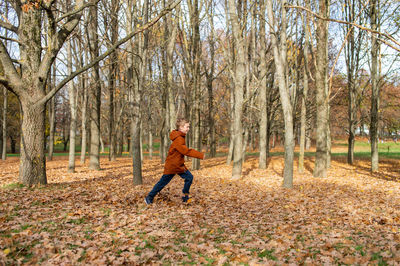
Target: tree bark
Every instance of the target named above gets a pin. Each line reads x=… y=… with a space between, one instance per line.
x=32 y=169
x=263 y=91
x=4 y=126
x=239 y=83
x=303 y=115
x=374 y=13
x=196 y=53
x=52 y=116
x=95 y=93
x=280 y=58
x=73 y=109
x=322 y=97
x=84 y=118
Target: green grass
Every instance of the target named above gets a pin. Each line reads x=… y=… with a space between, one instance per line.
x=13 y=186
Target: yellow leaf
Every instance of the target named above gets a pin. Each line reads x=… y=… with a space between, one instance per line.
x=6 y=251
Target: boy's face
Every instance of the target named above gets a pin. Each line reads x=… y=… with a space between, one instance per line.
x=185 y=128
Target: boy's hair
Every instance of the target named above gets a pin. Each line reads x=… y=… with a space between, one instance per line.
x=180 y=122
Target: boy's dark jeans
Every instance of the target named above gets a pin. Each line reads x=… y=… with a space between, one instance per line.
x=165 y=179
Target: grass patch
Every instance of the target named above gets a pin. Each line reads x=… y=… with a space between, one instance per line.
x=13 y=186
x=267 y=253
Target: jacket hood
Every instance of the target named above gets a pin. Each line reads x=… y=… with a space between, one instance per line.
x=175 y=133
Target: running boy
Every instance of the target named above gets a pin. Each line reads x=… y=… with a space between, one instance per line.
x=175 y=162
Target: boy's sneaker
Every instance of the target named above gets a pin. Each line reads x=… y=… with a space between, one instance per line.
x=148 y=200
x=186 y=199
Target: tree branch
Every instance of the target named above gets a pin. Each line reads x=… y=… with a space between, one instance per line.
x=77 y=10
x=8 y=74
x=108 y=52
x=355 y=25
x=57 y=40
x=8 y=26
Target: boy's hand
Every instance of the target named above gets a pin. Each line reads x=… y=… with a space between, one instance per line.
x=204 y=156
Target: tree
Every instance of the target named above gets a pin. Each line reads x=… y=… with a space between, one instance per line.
x=374 y=17
x=30 y=82
x=238 y=77
x=322 y=96
x=280 y=58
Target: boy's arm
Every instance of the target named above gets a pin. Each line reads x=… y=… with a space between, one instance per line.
x=182 y=148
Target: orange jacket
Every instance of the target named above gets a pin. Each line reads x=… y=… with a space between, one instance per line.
x=175 y=162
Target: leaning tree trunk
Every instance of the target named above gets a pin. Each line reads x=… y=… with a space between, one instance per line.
x=375 y=89
x=320 y=169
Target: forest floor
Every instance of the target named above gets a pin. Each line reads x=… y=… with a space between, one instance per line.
x=99 y=217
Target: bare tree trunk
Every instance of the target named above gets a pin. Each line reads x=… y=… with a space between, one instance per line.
x=263 y=91
x=84 y=118
x=52 y=115
x=33 y=162
x=112 y=78
x=303 y=115
x=196 y=53
x=4 y=148
x=239 y=77
x=170 y=33
x=374 y=13
x=280 y=58
x=73 y=109
x=95 y=94
x=231 y=139
x=150 y=144
x=322 y=97
x=209 y=83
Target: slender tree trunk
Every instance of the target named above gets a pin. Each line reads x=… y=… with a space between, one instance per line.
x=303 y=115
x=209 y=84
x=150 y=144
x=231 y=139
x=195 y=23
x=263 y=92
x=4 y=148
x=112 y=78
x=95 y=95
x=320 y=169
x=52 y=116
x=375 y=88
x=84 y=118
x=73 y=108
x=239 y=83
x=280 y=53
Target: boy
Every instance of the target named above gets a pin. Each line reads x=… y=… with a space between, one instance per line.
x=175 y=162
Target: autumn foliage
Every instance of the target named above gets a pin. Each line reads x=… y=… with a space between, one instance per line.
x=91 y=217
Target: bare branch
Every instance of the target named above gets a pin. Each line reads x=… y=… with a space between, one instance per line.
x=9 y=39
x=57 y=40
x=77 y=10
x=8 y=25
x=355 y=25
x=8 y=74
x=108 y=52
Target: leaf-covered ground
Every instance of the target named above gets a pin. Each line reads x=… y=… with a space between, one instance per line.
x=99 y=217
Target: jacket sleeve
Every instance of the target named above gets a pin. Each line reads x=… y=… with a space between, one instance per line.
x=183 y=149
